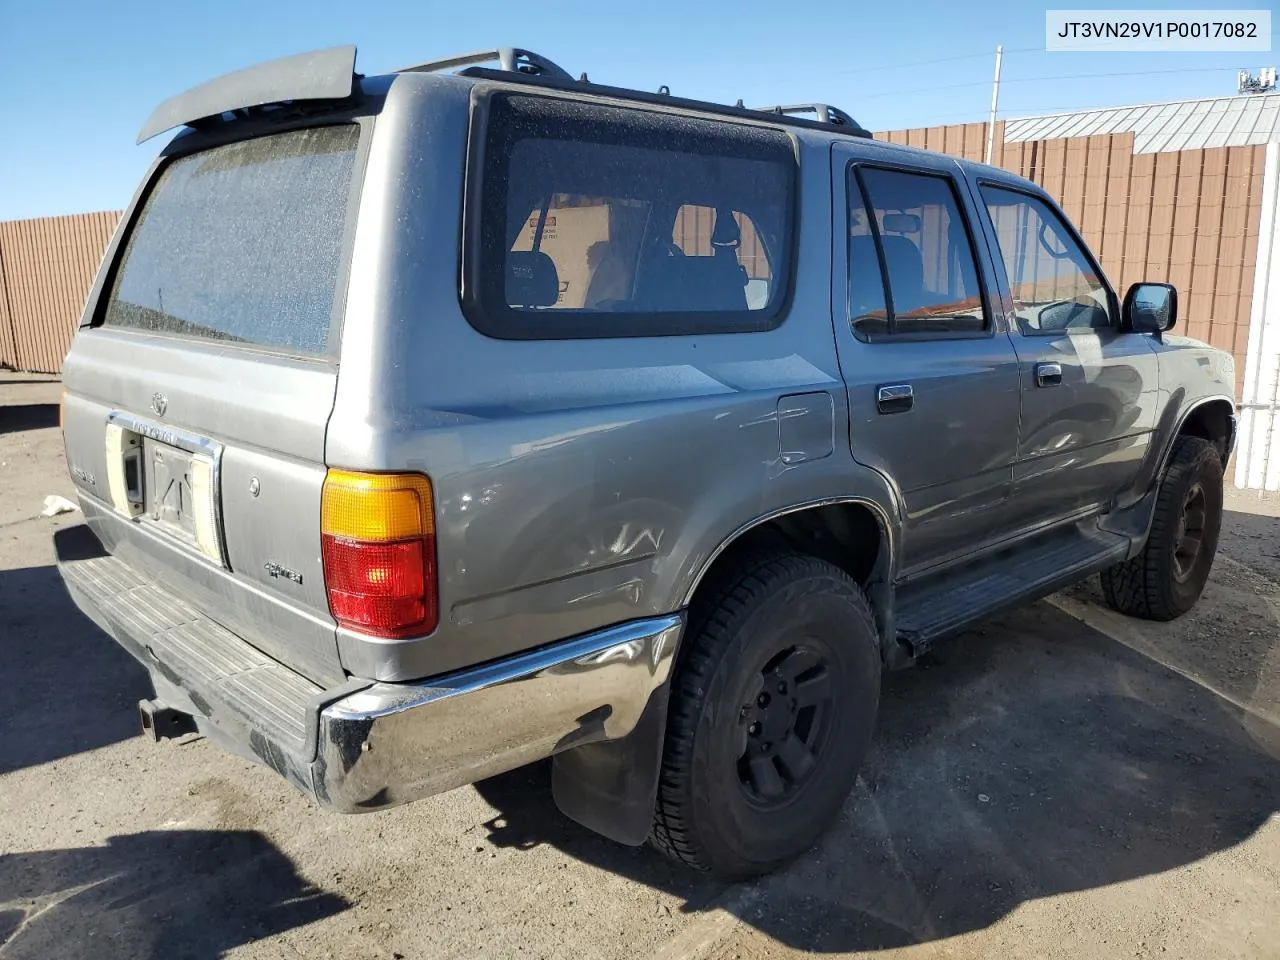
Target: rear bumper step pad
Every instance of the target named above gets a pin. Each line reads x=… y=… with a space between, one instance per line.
x=369 y=745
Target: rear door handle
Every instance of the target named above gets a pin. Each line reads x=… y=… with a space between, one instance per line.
x=1048 y=374
x=895 y=398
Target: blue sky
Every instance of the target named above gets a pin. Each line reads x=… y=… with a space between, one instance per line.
x=80 y=77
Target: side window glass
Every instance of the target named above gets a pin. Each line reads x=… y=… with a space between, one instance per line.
x=915 y=221
x=1055 y=288
x=588 y=242
x=595 y=221
x=705 y=232
x=867 y=310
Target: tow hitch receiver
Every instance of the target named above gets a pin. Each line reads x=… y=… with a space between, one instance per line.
x=163 y=723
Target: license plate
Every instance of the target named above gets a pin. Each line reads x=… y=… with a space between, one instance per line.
x=167 y=480
x=170 y=502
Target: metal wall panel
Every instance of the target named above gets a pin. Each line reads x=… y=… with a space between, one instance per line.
x=1258 y=453
x=968 y=140
x=46 y=269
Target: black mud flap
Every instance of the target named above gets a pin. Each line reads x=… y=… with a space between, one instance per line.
x=610 y=787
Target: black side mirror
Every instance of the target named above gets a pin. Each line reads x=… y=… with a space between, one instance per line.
x=1149 y=308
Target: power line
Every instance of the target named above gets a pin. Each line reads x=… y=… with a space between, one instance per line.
x=1064 y=76
x=1123 y=73
x=932 y=89
x=975 y=115
x=984 y=55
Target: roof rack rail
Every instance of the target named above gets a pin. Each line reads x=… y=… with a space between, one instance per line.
x=510 y=60
x=825 y=113
x=526 y=66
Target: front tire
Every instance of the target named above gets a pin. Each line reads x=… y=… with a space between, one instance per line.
x=1166 y=579
x=771 y=714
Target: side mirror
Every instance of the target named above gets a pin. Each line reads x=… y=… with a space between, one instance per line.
x=1149 y=308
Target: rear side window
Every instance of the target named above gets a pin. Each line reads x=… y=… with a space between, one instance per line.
x=912 y=223
x=242 y=243
x=607 y=222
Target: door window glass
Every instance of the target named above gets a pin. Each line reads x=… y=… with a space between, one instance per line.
x=913 y=223
x=1055 y=287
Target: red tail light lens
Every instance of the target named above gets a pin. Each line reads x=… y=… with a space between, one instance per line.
x=379 y=553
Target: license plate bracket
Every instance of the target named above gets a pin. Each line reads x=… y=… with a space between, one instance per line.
x=167 y=480
x=169 y=501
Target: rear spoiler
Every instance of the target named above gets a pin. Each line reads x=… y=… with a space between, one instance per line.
x=319 y=75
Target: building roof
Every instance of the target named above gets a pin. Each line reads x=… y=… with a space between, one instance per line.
x=1165 y=127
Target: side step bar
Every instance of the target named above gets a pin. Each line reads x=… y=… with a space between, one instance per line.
x=945 y=603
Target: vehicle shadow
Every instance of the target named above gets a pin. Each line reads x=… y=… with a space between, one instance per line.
x=65 y=687
x=16 y=418
x=194 y=894
x=1030 y=757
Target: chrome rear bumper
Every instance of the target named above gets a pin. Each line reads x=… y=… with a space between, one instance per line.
x=397 y=742
x=370 y=745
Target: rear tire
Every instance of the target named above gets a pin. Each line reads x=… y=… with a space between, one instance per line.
x=771 y=713
x=1166 y=579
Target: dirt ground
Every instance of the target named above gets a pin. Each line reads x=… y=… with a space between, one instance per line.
x=1059 y=782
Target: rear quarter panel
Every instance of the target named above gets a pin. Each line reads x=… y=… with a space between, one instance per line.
x=578 y=483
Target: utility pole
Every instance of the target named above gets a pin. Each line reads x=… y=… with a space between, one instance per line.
x=995 y=100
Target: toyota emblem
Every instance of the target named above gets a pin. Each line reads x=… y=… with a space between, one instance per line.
x=159 y=403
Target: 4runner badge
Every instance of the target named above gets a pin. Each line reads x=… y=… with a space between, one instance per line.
x=275 y=570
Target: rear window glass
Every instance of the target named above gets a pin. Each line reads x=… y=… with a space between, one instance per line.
x=242 y=243
x=604 y=222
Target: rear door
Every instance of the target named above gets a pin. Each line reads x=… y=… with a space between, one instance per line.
x=932 y=377
x=1089 y=391
x=198 y=398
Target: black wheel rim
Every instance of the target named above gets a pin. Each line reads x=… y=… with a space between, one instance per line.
x=784 y=723
x=1188 y=541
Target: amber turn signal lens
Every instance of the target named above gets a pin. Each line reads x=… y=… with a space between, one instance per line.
x=378 y=546
x=376 y=506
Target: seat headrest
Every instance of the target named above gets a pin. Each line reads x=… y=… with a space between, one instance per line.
x=726 y=232
x=532 y=280
x=906 y=266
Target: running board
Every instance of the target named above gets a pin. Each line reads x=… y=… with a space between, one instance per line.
x=928 y=610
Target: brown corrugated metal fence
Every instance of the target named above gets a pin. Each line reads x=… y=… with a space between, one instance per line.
x=1189 y=218
x=46 y=269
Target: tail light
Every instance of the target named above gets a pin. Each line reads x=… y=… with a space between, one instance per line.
x=378 y=544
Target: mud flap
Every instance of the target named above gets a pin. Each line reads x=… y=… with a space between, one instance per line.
x=610 y=787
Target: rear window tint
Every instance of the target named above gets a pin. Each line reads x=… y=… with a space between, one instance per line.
x=242 y=243
x=600 y=221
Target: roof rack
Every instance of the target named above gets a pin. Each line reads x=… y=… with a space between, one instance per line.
x=510 y=60
x=825 y=113
x=328 y=76
x=529 y=64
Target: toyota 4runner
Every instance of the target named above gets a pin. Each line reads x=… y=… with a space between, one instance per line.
x=429 y=424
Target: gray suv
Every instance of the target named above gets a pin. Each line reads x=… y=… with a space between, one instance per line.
x=429 y=424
